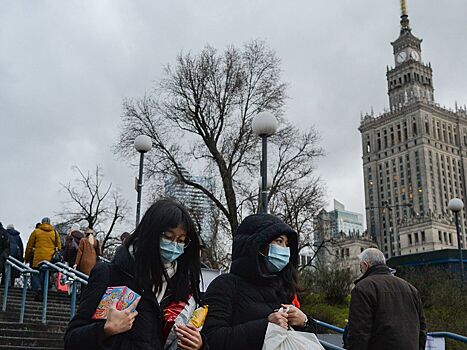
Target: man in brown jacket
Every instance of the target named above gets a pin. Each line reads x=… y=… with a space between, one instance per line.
x=385 y=311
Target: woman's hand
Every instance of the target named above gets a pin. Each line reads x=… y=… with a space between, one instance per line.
x=295 y=316
x=119 y=321
x=189 y=337
x=279 y=318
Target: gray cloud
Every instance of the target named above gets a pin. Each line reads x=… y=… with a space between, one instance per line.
x=65 y=67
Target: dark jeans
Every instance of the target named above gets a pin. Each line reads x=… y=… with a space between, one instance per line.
x=37 y=280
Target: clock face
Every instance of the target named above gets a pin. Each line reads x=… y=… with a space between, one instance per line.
x=415 y=55
x=401 y=56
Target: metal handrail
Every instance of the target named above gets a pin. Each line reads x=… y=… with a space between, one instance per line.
x=24 y=270
x=329 y=346
x=70 y=269
x=330 y=326
x=104 y=259
x=46 y=266
x=449 y=335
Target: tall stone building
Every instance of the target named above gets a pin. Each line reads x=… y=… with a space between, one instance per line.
x=414 y=158
x=339 y=237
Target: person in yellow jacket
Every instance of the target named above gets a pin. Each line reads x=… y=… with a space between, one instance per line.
x=42 y=244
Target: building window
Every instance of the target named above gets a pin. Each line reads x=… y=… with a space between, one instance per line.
x=450 y=238
x=347 y=252
x=410 y=239
x=445 y=237
x=416 y=237
x=423 y=236
x=439 y=236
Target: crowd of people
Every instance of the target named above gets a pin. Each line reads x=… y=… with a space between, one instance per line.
x=80 y=250
x=160 y=261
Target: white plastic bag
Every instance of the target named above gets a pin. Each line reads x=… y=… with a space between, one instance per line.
x=278 y=338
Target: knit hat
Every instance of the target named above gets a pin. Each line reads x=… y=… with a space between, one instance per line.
x=46 y=220
x=10 y=227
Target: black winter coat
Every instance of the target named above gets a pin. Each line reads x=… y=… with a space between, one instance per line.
x=241 y=301
x=385 y=313
x=16 y=244
x=85 y=333
x=4 y=247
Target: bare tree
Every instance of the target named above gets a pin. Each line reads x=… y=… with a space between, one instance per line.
x=199 y=118
x=93 y=201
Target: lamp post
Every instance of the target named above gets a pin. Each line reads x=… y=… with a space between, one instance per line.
x=264 y=124
x=456 y=205
x=142 y=144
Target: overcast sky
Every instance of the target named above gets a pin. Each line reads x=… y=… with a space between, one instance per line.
x=65 y=67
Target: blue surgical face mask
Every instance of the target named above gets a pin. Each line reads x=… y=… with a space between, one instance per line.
x=171 y=251
x=277 y=258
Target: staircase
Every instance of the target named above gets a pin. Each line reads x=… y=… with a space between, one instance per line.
x=32 y=334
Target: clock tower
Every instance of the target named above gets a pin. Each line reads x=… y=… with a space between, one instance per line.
x=410 y=79
x=414 y=159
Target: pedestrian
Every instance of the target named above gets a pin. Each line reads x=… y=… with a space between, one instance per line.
x=43 y=242
x=385 y=312
x=16 y=249
x=72 y=244
x=124 y=236
x=263 y=278
x=4 y=250
x=160 y=261
x=88 y=251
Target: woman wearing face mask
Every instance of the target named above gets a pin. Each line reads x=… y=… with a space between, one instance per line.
x=262 y=280
x=160 y=261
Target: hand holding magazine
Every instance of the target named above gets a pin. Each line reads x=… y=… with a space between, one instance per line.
x=120 y=297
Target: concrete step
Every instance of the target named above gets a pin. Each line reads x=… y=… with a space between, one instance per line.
x=39 y=327
x=38 y=320
x=52 y=296
x=31 y=342
x=11 y=347
x=32 y=334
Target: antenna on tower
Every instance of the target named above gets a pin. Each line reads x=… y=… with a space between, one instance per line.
x=404 y=18
x=403 y=8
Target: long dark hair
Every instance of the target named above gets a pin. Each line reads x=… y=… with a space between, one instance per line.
x=166 y=214
x=289 y=276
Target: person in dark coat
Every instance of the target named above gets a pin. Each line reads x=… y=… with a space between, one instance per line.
x=262 y=280
x=4 y=250
x=16 y=249
x=71 y=245
x=160 y=261
x=386 y=312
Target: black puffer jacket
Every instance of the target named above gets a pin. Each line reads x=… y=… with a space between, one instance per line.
x=385 y=313
x=85 y=333
x=241 y=301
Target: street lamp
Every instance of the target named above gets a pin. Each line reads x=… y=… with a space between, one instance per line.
x=264 y=124
x=456 y=205
x=143 y=144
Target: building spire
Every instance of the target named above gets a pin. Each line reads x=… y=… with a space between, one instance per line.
x=403 y=8
x=404 y=18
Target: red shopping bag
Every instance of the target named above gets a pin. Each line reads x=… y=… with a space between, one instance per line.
x=61 y=284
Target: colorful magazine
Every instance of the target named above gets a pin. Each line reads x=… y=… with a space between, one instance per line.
x=120 y=297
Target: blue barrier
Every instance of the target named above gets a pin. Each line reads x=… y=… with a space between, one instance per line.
x=71 y=273
x=25 y=271
x=449 y=335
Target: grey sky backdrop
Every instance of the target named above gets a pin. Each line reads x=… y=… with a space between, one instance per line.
x=65 y=67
